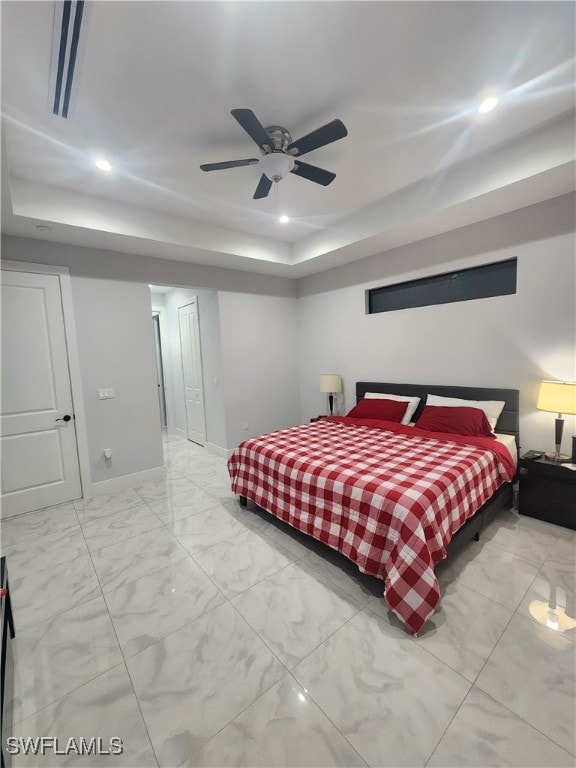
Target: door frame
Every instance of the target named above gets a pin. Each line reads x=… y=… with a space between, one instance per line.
x=160 y=365
x=73 y=361
x=166 y=363
x=189 y=301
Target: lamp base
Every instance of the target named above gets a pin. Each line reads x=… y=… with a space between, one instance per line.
x=558 y=457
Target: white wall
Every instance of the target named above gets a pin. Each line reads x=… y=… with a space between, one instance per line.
x=259 y=364
x=114 y=265
x=112 y=317
x=211 y=367
x=249 y=363
x=274 y=346
x=507 y=341
x=157 y=300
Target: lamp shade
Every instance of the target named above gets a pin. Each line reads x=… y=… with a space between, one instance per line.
x=557 y=396
x=330 y=382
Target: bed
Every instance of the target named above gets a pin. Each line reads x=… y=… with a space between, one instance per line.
x=395 y=499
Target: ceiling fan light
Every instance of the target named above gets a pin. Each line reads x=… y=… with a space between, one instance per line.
x=102 y=164
x=276 y=165
x=487 y=105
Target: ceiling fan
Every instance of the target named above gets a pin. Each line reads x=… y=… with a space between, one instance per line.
x=280 y=154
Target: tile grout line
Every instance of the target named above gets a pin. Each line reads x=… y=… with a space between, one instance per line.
x=177 y=629
x=123 y=659
x=73 y=690
x=188 y=556
x=520 y=717
x=64 y=695
x=76 y=688
x=256 y=583
x=128 y=538
x=35 y=573
x=472 y=686
x=226 y=600
x=263 y=693
x=25 y=542
x=326 y=715
x=141 y=713
x=154 y=570
x=248 y=530
x=530 y=725
x=492 y=599
x=289 y=671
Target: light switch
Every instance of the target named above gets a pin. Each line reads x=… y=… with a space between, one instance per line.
x=106 y=393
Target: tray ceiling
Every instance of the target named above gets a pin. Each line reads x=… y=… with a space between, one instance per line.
x=156 y=81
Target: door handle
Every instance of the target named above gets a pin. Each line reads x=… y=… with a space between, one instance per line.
x=64 y=418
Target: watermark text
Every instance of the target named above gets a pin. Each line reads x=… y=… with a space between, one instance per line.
x=44 y=745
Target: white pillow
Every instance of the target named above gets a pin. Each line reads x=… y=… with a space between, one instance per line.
x=412 y=401
x=492 y=408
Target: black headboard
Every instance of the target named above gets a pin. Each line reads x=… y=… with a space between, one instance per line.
x=508 y=423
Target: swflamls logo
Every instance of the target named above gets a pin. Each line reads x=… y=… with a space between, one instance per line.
x=44 y=745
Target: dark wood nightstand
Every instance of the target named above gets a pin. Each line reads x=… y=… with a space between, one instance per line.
x=547 y=490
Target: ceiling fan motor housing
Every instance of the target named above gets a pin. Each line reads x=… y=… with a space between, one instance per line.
x=280 y=137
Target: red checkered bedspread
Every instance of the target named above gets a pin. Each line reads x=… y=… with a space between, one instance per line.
x=388 y=497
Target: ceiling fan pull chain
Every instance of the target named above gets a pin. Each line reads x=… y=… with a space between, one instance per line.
x=276 y=199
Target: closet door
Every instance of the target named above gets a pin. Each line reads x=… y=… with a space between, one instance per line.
x=192 y=372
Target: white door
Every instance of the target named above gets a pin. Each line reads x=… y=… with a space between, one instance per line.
x=38 y=436
x=192 y=372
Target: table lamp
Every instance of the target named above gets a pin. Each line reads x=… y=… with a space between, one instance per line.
x=331 y=383
x=558 y=397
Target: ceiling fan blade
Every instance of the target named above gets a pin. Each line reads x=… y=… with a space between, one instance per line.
x=319 y=138
x=253 y=127
x=228 y=164
x=263 y=187
x=313 y=173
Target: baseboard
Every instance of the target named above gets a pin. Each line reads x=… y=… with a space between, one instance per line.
x=125 y=481
x=179 y=433
x=217 y=449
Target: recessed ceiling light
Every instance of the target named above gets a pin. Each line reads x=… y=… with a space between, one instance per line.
x=102 y=165
x=487 y=105
x=283 y=219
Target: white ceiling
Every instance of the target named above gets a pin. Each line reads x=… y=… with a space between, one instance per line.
x=157 y=81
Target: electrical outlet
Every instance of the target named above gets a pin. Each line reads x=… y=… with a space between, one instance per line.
x=107 y=453
x=245 y=425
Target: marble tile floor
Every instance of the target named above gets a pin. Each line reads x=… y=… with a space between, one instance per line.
x=203 y=634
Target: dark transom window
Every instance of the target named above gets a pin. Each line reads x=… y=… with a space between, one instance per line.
x=498 y=279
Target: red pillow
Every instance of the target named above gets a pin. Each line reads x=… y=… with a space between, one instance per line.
x=471 y=422
x=379 y=408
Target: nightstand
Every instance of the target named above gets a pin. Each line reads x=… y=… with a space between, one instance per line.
x=547 y=490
